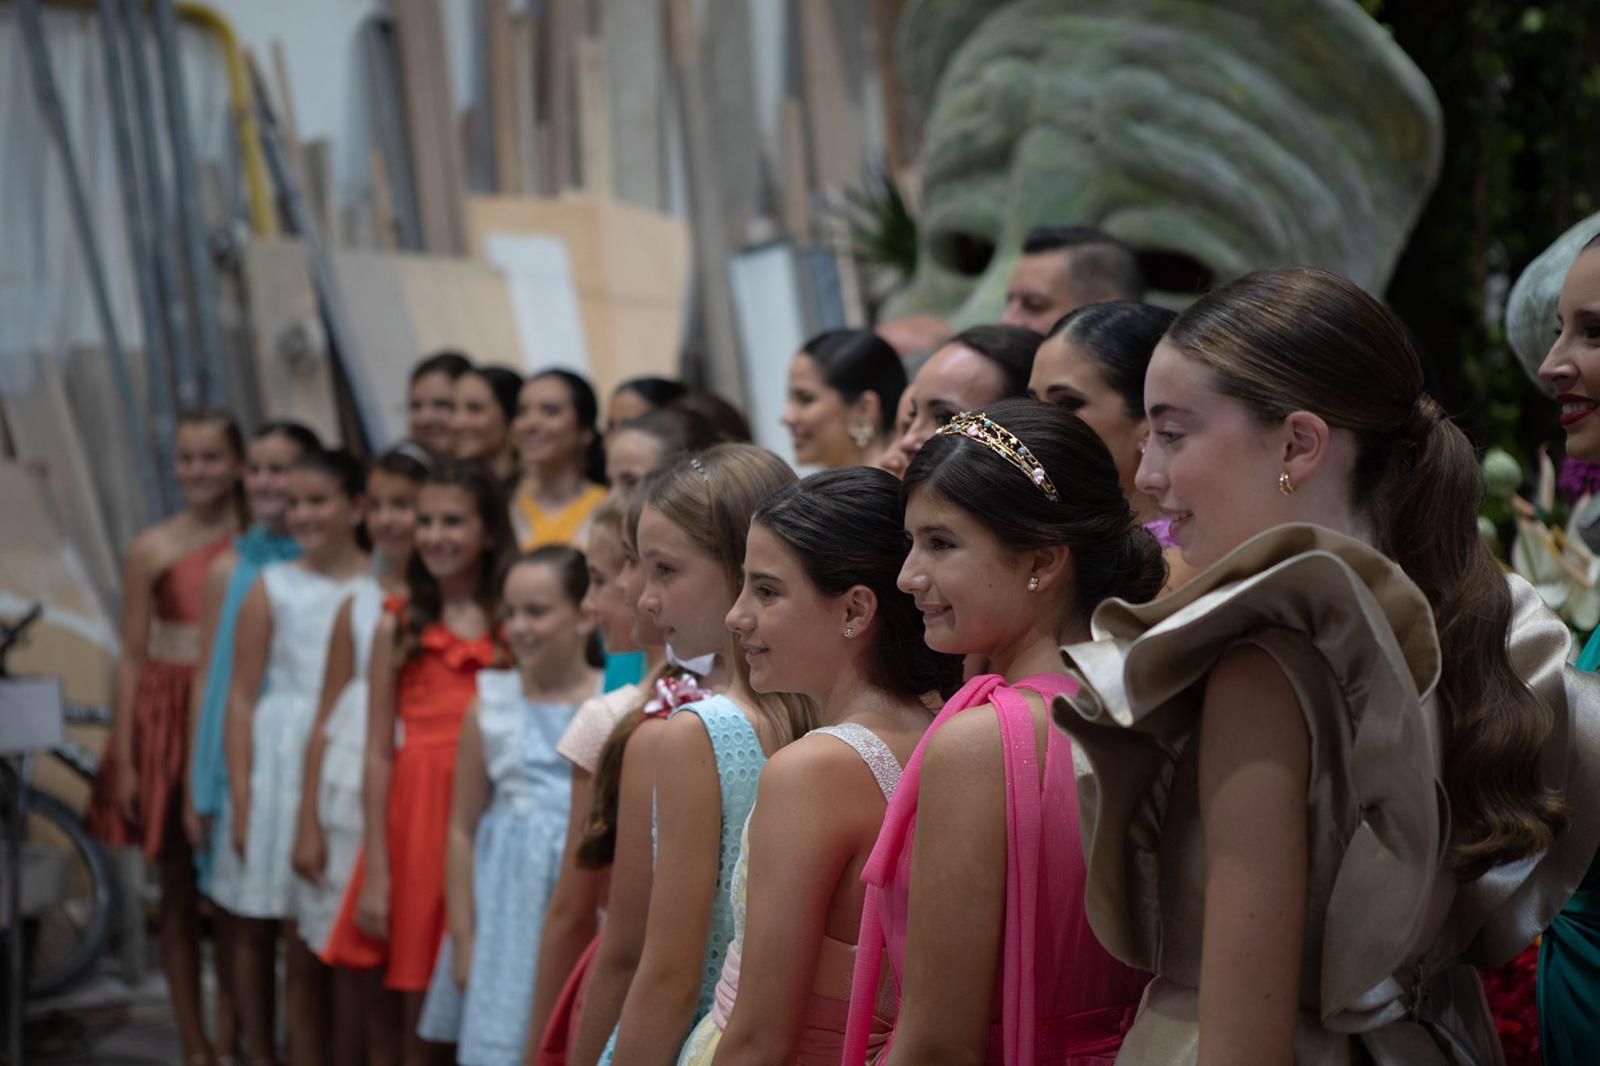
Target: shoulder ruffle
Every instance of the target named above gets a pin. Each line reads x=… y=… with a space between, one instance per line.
x=458 y=654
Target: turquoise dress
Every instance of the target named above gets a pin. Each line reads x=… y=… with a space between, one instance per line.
x=740 y=757
x=1569 y=961
x=208 y=771
x=516 y=857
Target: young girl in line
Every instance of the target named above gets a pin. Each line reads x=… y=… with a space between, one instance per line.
x=563 y=461
x=509 y=811
x=692 y=535
x=486 y=402
x=819 y=614
x=423 y=675
x=139 y=792
x=431 y=402
x=329 y=827
x=282 y=642
x=975 y=887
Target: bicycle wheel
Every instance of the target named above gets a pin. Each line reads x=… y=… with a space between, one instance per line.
x=66 y=938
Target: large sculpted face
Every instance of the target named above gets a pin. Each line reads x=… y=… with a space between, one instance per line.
x=1214 y=137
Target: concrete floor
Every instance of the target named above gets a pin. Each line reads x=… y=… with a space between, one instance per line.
x=105 y=1022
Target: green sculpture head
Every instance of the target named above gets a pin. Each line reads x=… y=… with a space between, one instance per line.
x=1214 y=136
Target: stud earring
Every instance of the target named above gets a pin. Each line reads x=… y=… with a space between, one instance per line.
x=1033 y=583
x=1286 y=484
x=849 y=630
x=861 y=434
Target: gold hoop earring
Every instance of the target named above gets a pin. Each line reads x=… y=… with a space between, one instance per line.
x=1286 y=484
x=861 y=435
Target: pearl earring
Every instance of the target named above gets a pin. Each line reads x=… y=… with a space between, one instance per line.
x=849 y=630
x=1033 y=584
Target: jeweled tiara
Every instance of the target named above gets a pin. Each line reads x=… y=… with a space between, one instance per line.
x=1004 y=443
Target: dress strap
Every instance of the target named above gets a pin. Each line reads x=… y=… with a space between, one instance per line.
x=873 y=751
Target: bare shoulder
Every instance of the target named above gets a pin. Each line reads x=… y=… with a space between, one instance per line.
x=683 y=735
x=1247 y=677
x=970 y=739
x=221 y=568
x=814 y=761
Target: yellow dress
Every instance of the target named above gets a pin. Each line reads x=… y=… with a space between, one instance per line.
x=1390 y=935
x=570 y=525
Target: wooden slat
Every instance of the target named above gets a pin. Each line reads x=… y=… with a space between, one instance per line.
x=290 y=126
x=431 y=122
x=728 y=83
x=504 y=103
x=833 y=148
x=633 y=33
x=885 y=22
x=523 y=82
x=594 y=117
x=563 y=24
x=319 y=193
x=384 y=232
x=796 y=188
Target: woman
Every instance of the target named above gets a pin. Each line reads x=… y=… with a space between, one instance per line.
x=975 y=887
x=639 y=396
x=977 y=367
x=431 y=401
x=1342 y=748
x=486 y=403
x=563 y=461
x=819 y=615
x=1569 y=954
x=843 y=388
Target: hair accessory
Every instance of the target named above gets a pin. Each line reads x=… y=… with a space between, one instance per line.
x=417 y=452
x=1033 y=583
x=699 y=467
x=1286 y=484
x=1004 y=443
x=861 y=435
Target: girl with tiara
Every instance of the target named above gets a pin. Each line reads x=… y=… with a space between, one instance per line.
x=692 y=535
x=328 y=830
x=509 y=811
x=282 y=640
x=1345 y=760
x=1018 y=530
x=139 y=791
x=422 y=676
x=819 y=615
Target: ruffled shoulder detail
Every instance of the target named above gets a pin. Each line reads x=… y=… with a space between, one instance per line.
x=1355 y=637
x=458 y=653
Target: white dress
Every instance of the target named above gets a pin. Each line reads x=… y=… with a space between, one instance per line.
x=339 y=810
x=303 y=605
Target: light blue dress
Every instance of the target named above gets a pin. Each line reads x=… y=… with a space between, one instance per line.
x=516 y=857
x=740 y=759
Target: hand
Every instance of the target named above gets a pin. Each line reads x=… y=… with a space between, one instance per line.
x=372 y=906
x=461 y=960
x=125 y=790
x=240 y=827
x=310 y=856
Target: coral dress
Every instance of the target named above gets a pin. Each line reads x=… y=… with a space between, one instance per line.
x=1060 y=996
x=1391 y=936
x=160 y=714
x=433 y=692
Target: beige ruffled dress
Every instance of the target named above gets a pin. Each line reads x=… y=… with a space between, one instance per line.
x=1390 y=935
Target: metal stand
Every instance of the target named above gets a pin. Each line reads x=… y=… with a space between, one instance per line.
x=16 y=818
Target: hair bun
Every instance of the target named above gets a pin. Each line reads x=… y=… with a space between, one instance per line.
x=1426 y=414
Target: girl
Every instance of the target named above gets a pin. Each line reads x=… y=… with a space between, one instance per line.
x=692 y=539
x=563 y=462
x=139 y=790
x=640 y=446
x=820 y=615
x=282 y=642
x=843 y=388
x=431 y=401
x=425 y=658
x=1018 y=529
x=486 y=402
x=329 y=827
x=509 y=810
x=1343 y=747
x=1569 y=953
x=893 y=460
x=639 y=396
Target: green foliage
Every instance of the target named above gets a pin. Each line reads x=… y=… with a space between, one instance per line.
x=882 y=231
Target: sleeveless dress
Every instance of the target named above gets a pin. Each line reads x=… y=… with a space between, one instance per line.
x=516 y=857
x=1391 y=936
x=208 y=770
x=1061 y=997
x=822 y=1034
x=432 y=694
x=570 y=525
x=339 y=811
x=740 y=757
x=160 y=714
x=260 y=883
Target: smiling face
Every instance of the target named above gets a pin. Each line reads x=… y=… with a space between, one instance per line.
x=479 y=426
x=1573 y=365
x=606 y=600
x=392 y=515
x=546 y=428
x=631 y=456
x=540 y=623
x=321 y=518
x=1069 y=377
x=1210 y=466
x=450 y=534
x=817 y=417
x=685 y=589
x=790 y=634
x=205 y=464
x=956 y=379
x=430 y=412
x=266 y=477
x=964 y=581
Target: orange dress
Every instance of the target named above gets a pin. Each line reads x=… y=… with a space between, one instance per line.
x=434 y=690
x=160 y=714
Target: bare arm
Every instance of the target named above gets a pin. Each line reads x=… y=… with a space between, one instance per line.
x=216 y=590
x=310 y=851
x=571 y=919
x=251 y=646
x=1254 y=772
x=627 y=911
x=661 y=999
x=957 y=911
x=803 y=834
x=469 y=795
x=372 y=908
x=138 y=587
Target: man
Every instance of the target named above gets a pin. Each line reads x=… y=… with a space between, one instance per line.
x=1065 y=267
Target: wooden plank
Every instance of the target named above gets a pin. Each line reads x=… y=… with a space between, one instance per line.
x=319 y=193
x=291 y=126
x=522 y=84
x=796 y=187
x=728 y=84
x=431 y=124
x=293 y=365
x=385 y=235
x=885 y=23
x=563 y=26
x=594 y=117
x=633 y=34
x=833 y=149
x=386 y=99
x=505 y=103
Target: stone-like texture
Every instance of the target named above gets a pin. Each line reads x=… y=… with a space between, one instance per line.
x=1531 y=307
x=1236 y=133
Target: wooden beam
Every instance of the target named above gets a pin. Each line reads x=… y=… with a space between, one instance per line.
x=594 y=118
x=431 y=123
x=505 y=105
x=385 y=232
x=833 y=148
x=633 y=32
x=290 y=126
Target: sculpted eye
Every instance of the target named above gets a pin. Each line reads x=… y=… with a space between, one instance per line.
x=967 y=254
x=1171 y=271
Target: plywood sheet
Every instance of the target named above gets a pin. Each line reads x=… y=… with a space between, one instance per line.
x=292 y=364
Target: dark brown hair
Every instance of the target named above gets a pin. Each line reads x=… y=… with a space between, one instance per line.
x=1298 y=339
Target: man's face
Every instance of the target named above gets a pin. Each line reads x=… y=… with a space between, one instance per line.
x=1040 y=291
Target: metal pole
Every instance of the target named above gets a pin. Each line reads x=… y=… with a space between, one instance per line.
x=163 y=263
x=44 y=85
x=202 y=279
x=16 y=822
x=156 y=345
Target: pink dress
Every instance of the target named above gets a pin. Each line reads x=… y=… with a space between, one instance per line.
x=1061 y=997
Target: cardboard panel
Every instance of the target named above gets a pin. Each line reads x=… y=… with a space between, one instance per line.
x=292 y=362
